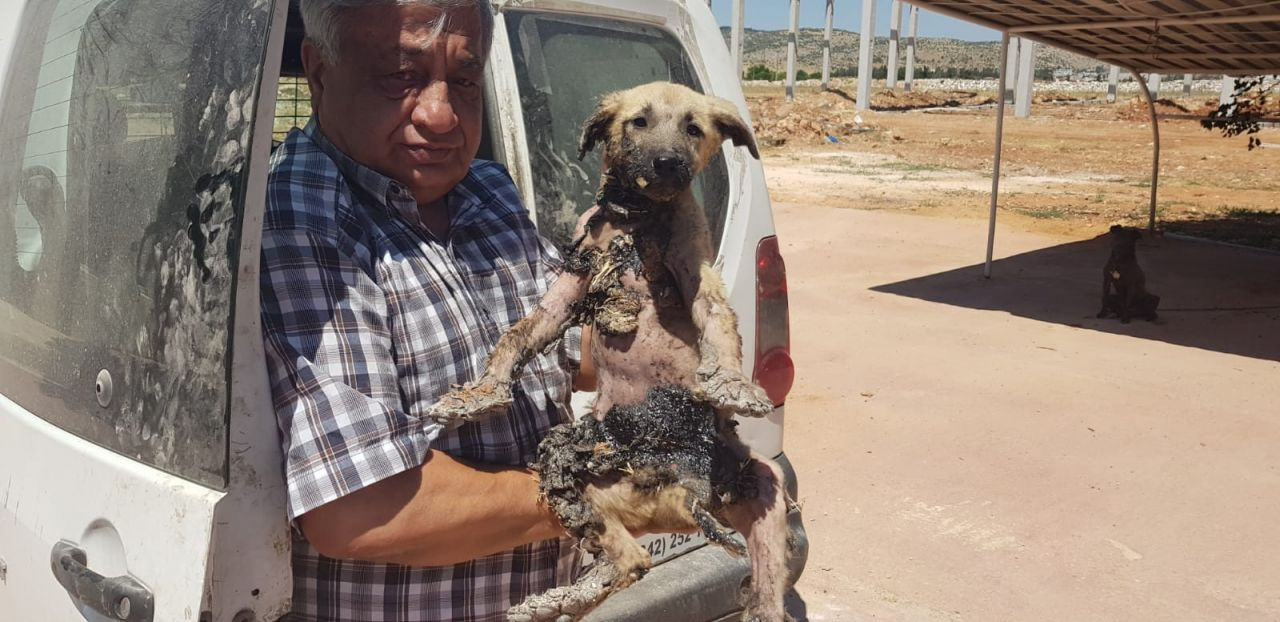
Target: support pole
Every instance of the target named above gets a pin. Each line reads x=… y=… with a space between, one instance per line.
x=792 y=42
x=826 y=46
x=1186 y=85
x=1228 y=89
x=1026 y=77
x=735 y=38
x=1155 y=150
x=1113 y=79
x=1009 y=60
x=866 y=39
x=1154 y=85
x=895 y=25
x=995 y=168
x=914 y=13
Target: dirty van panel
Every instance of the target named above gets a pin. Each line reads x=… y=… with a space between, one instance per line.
x=121 y=170
x=563 y=65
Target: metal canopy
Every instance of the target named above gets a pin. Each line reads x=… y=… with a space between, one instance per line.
x=1236 y=37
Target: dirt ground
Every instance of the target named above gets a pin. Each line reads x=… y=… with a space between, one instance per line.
x=1071 y=168
x=988 y=450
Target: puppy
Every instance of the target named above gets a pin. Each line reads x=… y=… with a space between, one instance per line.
x=1122 y=271
x=659 y=451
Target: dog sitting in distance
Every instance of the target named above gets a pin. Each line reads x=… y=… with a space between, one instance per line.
x=1131 y=298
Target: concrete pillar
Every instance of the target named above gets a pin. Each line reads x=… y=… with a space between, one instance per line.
x=1186 y=85
x=1113 y=79
x=914 y=13
x=895 y=24
x=1228 y=89
x=826 y=46
x=1011 y=68
x=1026 y=77
x=1153 y=83
x=866 y=39
x=735 y=36
x=792 y=42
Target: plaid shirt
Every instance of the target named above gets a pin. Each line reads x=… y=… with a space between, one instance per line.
x=368 y=320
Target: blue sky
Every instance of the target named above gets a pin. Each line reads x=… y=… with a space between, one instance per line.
x=776 y=15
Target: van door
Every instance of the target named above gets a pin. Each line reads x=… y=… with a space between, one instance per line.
x=126 y=131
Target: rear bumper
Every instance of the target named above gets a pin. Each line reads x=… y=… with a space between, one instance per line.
x=701 y=585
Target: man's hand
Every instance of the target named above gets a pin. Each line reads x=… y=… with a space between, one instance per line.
x=441 y=513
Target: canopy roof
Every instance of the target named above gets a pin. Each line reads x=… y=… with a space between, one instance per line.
x=1237 y=37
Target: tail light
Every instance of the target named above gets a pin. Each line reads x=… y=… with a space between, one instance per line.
x=774 y=371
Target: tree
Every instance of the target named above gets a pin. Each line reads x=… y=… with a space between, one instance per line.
x=759 y=72
x=1243 y=113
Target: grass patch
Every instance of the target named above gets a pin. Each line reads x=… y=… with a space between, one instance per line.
x=1246 y=226
x=1044 y=213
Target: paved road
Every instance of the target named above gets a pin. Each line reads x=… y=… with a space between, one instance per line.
x=987 y=450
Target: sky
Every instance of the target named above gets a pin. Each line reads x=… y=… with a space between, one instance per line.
x=847 y=15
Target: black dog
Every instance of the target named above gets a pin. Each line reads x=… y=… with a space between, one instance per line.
x=1131 y=298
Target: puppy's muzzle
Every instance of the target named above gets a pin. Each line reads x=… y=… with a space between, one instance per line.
x=671 y=172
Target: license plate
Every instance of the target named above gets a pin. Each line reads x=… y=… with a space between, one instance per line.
x=664 y=546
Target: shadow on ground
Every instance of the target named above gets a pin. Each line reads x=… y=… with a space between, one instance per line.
x=1213 y=297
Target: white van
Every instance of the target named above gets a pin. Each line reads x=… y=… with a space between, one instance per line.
x=140 y=466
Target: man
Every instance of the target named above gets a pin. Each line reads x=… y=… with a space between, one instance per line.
x=391 y=265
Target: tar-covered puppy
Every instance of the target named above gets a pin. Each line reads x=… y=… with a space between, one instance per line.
x=660 y=452
x=1131 y=298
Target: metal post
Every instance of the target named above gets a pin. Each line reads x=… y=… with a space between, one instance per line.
x=792 y=42
x=826 y=46
x=1010 y=63
x=895 y=25
x=1154 y=84
x=735 y=37
x=1155 y=149
x=1228 y=89
x=866 y=39
x=1026 y=77
x=1113 y=79
x=914 y=13
x=1186 y=85
x=995 y=168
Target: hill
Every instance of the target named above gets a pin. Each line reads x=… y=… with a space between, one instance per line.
x=769 y=48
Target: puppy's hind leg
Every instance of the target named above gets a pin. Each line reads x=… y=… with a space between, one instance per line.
x=763 y=521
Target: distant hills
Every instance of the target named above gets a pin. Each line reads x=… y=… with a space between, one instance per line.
x=769 y=48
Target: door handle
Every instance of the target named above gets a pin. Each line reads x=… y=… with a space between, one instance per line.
x=118 y=598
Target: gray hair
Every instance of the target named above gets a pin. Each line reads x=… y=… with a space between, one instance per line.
x=324 y=19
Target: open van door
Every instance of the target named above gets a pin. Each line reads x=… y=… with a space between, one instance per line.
x=139 y=462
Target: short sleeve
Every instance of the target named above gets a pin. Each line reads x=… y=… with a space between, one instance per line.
x=331 y=368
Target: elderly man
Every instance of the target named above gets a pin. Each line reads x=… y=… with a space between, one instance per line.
x=392 y=262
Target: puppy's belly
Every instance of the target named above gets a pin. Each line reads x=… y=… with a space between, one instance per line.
x=658 y=353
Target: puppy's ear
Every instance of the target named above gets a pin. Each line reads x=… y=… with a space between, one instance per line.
x=1115 y=228
x=596 y=129
x=725 y=117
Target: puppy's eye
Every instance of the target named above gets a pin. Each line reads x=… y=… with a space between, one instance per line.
x=640 y=122
x=694 y=131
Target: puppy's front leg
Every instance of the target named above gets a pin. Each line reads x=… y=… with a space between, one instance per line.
x=491 y=392
x=1106 y=289
x=720 y=377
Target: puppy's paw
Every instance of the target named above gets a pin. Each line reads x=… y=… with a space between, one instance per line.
x=472 y=402
x=731 y=392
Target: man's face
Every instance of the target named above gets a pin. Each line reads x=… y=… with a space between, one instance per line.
x=401 y=98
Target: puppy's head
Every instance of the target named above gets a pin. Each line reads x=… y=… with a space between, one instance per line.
x=657 y=136
x=1124 y=238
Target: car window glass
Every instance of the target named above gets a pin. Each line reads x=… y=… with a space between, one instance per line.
x=126 y=127
x=563 y=65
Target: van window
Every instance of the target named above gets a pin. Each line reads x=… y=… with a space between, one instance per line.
x=563 y=65
x=126 y=128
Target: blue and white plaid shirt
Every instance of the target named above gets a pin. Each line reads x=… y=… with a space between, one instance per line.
x=368 y=319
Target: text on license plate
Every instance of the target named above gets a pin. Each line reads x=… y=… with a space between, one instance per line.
x=664 y=546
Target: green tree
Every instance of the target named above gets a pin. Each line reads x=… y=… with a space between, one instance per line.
x=759 y=72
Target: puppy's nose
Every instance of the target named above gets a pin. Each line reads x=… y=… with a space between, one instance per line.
x=667 y=164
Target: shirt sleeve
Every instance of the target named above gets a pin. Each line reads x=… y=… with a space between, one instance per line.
x=332 y=370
